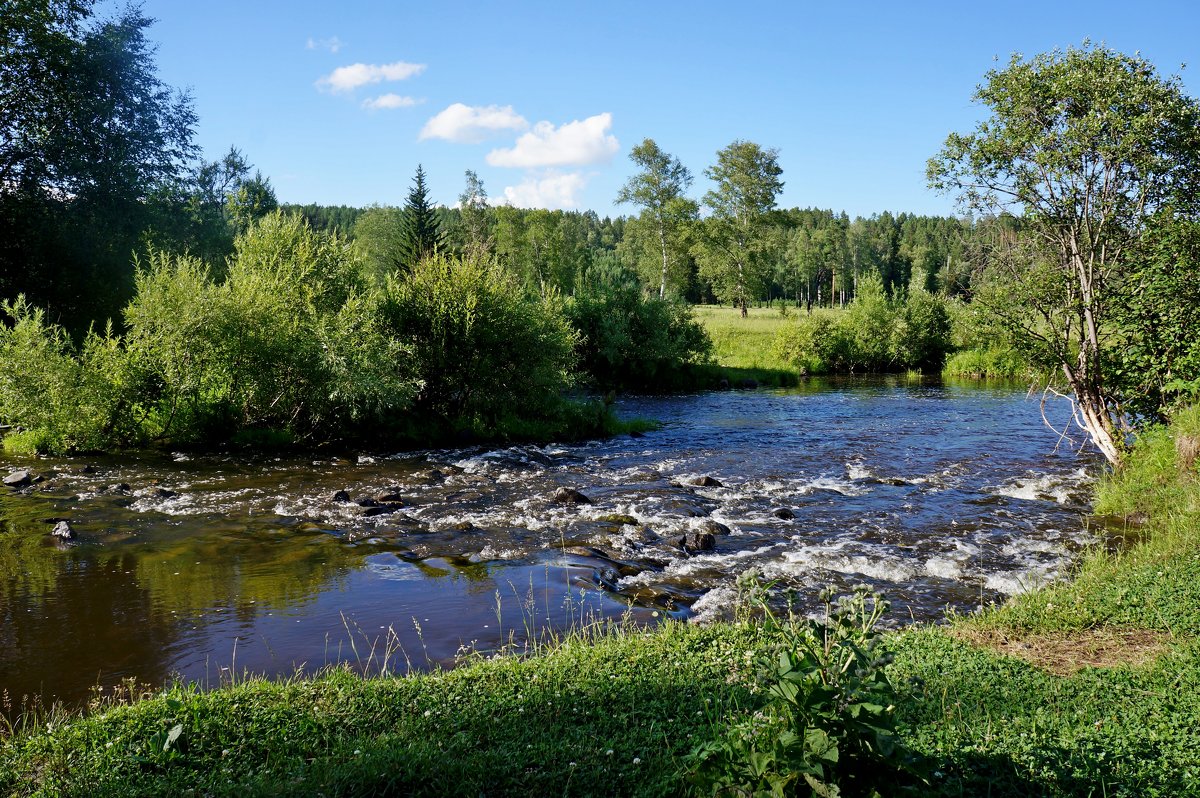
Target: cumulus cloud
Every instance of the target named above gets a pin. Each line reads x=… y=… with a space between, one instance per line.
x=576 y=143
x=388 y=101
x=467 y=124
x=349 y=78
x=332 y=44
x=553 y=191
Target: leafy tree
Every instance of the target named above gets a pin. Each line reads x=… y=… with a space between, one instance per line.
x=421 y=233
x=475 y=217
x=89 y=132
x=659 y=190
x=733 y=248
x=379 y=239
x=1088 y=145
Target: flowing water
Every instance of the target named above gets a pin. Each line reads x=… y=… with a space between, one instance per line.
x=203 y=566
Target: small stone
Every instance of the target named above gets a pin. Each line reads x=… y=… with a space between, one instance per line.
x=570 y=496
x=706 y=482
x=18 y=479
x=163 y=493
x=341 y=497
x=63 y=530
x=389 y=495
x=699 y=540
x=783 y=513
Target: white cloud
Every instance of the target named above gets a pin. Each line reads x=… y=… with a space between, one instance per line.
x=332 y=44
x=553 y=191
x=467 y=124
x=348 y=78
x=576 y=143
x=389 y=101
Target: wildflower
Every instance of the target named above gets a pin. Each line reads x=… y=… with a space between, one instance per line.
x=637 y=760
x=609 y=752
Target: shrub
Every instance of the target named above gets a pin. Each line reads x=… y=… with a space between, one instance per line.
x=627 y=339
x=67 y=399
x=828 y=726
x=484 y=349
x=291 y=341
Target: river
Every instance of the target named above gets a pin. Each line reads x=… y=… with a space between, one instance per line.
x=203 y=567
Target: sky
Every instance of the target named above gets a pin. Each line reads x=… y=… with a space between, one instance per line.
x=338 y=102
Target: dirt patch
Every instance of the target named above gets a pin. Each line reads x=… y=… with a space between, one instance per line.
x=1187 y=451
x=1065 y=653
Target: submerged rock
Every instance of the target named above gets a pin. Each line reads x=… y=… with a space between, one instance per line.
x=380 y=509
x=570 y=496
x=621 y=519
x=163 y=493
x=18 y=479
x=120 y=487
x=63 y=530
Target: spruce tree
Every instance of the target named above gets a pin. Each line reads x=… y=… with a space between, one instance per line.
x=421 y=234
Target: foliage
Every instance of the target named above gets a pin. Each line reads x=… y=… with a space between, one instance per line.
x=828 y=726
x=421 y=234
x=1157 y=326
x=873 y=334
x=733 y=245
x=89 y=132
x=290 y=340
x=627 y=339
x=1089 y=144
x=483 y=348
x=65 y=399
x=666 y=215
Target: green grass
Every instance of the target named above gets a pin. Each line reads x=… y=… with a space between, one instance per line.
x=980 y=722
x=744 y=349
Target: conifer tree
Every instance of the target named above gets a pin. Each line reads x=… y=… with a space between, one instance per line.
x=421 y=234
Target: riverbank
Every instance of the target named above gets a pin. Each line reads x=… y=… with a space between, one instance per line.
x=995 y=703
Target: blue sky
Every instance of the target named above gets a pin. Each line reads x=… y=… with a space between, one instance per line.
x=337 y=102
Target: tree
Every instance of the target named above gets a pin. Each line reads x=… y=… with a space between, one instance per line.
x=475 y=217
x=1088 y=145
x=89 y=133
x=421 y=233
x=659 y=190
x=734 y=243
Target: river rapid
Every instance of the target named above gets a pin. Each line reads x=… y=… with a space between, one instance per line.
x=202 y=567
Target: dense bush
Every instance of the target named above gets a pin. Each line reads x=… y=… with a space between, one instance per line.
x=628 y=339
x=484 y=349
x=874 y=334
x=64 y=397
x=290 y=341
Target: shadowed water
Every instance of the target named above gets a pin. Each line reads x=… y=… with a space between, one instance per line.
x=202 y=566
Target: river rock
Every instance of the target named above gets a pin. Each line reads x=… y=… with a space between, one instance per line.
x=695 y=540
x=570 y=496
x=163 y=493
x=389 y=495
x=715 y=528
x=63 y=530
x=340 y=497
x=120 y=487
x=18 y=479
x=706 y=482
x=380 y=509
x=620 y=519
x=783 y=513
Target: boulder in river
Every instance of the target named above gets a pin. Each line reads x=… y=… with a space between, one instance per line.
x=696 y=540
x=570 y=496
x=390 y=495
x=715 y=528
x=380 y=509
x=63 y=530
x=120 y=487
x=783 y=513
x=340 y=497
x=163 y=493
x=18 y=479
x=706 y=482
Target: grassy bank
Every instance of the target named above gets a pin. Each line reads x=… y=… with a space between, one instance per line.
x=744 y=349
x=1086 y=688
